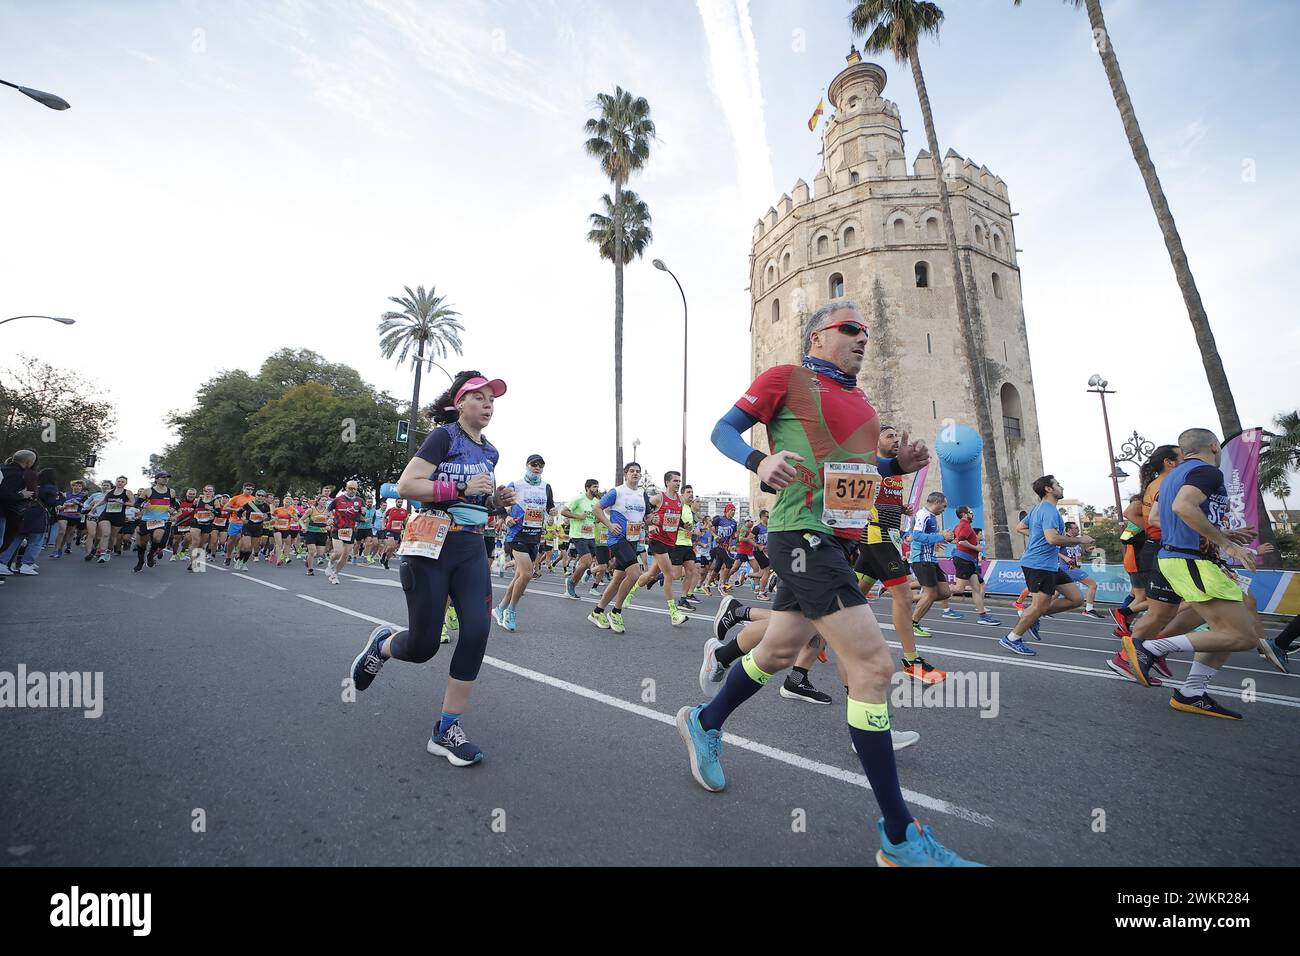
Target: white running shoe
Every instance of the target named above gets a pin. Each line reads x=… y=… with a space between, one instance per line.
x=902 y=739
x=711 y=672
x=28 y=569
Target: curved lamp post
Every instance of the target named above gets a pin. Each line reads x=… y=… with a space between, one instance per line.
x=659 y=264
x=40 y=96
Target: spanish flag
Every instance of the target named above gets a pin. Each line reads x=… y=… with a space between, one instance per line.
x=812 y=120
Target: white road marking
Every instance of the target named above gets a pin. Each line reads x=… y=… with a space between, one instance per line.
x=265 y=584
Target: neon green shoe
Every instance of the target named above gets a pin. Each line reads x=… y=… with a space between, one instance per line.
x=627 y=600
x=453 y=621
x=675 y=615
x=616 y=622
x=600 y=619
x=446 y=637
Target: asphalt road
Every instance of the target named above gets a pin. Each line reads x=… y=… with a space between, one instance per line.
x=223 y=705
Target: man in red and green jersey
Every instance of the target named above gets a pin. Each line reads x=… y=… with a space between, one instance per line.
x=825 y=470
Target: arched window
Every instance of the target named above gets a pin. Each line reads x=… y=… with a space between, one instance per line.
x=850 y=237
x=997 y=286
x=853 y=178
x=1012 y=415
x=923 y=275
x=900 y=230
x=776 y=310
x=932 y=229
x=997 y=242
x=771 y=276
x=785 y=264
x=823 y=245
x=836 y=286
x=979 y=235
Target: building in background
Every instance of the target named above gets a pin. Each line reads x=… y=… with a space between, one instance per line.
x=871 y=230
x=711 y=505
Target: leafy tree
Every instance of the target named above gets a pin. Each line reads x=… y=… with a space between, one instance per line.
x=56 y=413
x=1105 y=533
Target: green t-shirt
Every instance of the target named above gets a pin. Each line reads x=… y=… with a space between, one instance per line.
x=684 y=529
x=602 y=535
x=586 y=527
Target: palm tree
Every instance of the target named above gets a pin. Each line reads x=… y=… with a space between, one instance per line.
x=425 y=321
x=1280 y=455
x=619 y=137
x=635 y=217
x=1224 y=403
x=896 y=26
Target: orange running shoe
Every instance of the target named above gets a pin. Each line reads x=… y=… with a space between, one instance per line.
x=923 y=671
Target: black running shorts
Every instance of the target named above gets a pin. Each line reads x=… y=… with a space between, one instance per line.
x=1040 y=581
x=928 y=573
x=816 y=576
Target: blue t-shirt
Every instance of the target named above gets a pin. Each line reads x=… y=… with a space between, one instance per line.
x=725 y=529
x=704 y=542
x=368 y=519
x=1039 y=554
x=1174 y=532
x=760 y=536
x=925 y=536
x=457 y=457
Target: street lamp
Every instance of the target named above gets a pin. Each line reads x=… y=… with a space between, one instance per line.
x=659 y=264
x=1099 y=386
x=52 y=318
x=45 y=99
x=636 y=443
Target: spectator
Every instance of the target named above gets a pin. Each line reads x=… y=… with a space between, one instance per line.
x=17 y=489
x=36 y=522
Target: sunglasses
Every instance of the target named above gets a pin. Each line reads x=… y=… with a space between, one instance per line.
x=852 y=329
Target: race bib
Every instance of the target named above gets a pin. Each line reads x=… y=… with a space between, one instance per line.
x=1240 y=580
x=202 y=516
x=671 y=521
x=848 y=492
x=154 y=525
x=588 y=529
x=281 y=524
x=533 y=517
x=113 y=507
x=397 y=525
x=425 y=535
x=71 y=509
x=345 y=534
x=634 y=531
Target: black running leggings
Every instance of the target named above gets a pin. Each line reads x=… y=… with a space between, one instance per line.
x=1289 y=634
x=462 y=572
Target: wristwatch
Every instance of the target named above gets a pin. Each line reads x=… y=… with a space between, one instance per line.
x=461 y=486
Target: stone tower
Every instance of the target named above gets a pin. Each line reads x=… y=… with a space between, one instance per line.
x=871 y=231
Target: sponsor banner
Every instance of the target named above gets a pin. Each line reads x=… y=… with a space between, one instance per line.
x=1240 y=467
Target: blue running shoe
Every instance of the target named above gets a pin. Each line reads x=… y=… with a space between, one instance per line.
x=570 y=591
x=1033 y=629
x=498 y=615
x=952 y=615
x=510 y=623
x=1017 y=645
x=920 y=848
x=987 y=619
x=455 y=746
x=703 y=746
x=367 y=664
x=1274 y=655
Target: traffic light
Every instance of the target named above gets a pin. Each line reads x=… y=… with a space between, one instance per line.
x=90 y=461
x=403 y=433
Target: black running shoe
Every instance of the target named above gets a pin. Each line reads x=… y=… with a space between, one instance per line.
x=1205 y=704
x=728 y=616
x=367 y=664
x=1139 y=659
x=153 y=558
x=455 y=746
x=803 y=690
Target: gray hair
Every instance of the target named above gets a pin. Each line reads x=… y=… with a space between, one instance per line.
x=25 y=457
x=1196 y=440
x=934 y=496
x=822 y=316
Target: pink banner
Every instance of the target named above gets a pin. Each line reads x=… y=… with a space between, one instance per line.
x=1240 y=467
x=918 y=491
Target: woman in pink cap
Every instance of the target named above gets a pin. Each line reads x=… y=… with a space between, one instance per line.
x=453 y=474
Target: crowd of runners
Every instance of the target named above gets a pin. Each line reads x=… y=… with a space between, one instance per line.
x=840 y=527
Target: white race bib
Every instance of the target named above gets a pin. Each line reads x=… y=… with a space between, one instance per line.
x=848 y=492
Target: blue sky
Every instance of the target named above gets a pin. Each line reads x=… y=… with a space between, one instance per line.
x=238 y=177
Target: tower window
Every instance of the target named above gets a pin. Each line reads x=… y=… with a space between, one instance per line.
x=850 y=234
x=932 y=228
x=776 y=310
x=929 y=346
x=979 y=235
x=771 y=275
x=1005 y=357
x=853 y=178
x=785 y=263
x=836 y=286
x=900 y=230
x=823 y=245
x=923 y=275
x=997 y=242
x=934 y=409
x=997 y=286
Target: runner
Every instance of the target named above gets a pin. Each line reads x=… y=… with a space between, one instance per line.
x=685 y=556
x=761 y=590
x=345 y=512
x=363 y=546
x=1193 y=505
x=525 y=526
x=255 y=516
x=109 y=517
x=926 y=539
x=1162 y=601
x=236 y=525
x=582 y=533
x=663 y=521
x=184 y=523
x=394 y=521
x=157 y=504
x=70 y=518
x=723 y=563
x=599 y=563
x=202 y=531
x=703 y=556
x=220 y=523
x=317 y=536
x=282 y=519
x=454 y=470
x=1053 y=591
x=1071 y=561
x=823 y=434
x=1132 y=539
x=622 y=510
x=966 y=563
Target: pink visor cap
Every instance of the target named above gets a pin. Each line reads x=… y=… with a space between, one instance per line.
x=476 y=384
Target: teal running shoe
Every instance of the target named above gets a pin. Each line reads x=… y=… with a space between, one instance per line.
x=920 y=848
x=703 y=747
x=510 y=623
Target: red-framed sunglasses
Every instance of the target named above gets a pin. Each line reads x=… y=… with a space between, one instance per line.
x=849 y=328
